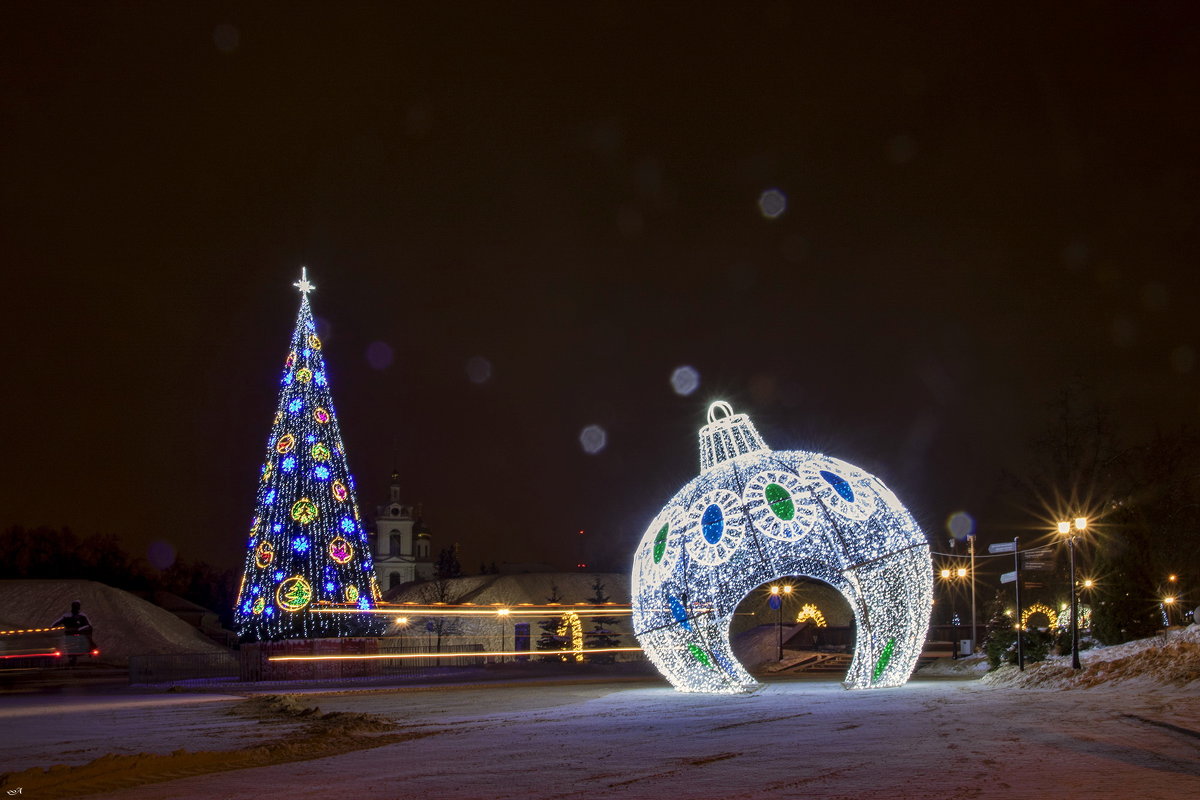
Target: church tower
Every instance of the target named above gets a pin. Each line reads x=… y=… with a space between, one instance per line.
x=403 y=548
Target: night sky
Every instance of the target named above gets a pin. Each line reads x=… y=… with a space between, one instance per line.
x=984 y=207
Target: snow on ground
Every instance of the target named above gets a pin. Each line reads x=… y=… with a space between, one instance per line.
x=969 y=667
x=810 y=739
x=1135 y=734
x=124 y=625
x=1171 y=659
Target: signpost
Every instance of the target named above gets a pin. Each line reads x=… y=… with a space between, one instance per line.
x=1008 y=577
x=1003 y=547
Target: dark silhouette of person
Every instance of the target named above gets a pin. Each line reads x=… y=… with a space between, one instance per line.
x=78 y=629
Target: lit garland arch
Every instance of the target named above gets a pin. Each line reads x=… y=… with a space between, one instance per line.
x=754 y=515
x=1039 y=608
x=810 y=613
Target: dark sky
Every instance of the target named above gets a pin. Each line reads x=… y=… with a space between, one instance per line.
x=983 y=206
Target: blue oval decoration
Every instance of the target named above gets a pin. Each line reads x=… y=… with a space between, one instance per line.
x=712 y=523
x=840 y=485
x=679 y=612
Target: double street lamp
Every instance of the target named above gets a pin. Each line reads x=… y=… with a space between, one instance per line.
x=1072 y=532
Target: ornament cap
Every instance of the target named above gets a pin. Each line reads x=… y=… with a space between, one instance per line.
x=727 y=436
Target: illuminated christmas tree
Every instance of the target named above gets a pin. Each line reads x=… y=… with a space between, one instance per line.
x=308 y=566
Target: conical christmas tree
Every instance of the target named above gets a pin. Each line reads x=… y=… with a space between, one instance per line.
x=308 y=566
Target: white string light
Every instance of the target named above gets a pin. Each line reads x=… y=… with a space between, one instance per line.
x=754 y=515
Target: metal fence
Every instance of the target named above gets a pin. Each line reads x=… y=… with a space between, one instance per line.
x=183 y=666
x=323 y=659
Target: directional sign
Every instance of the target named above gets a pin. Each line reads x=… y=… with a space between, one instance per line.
x=1037 y=562
x=1003 y=547
x=1008 y=577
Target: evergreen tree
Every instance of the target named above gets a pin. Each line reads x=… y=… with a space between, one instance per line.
x=447 y=563
x=307 y=544
x=601 y=634
x=549 y=638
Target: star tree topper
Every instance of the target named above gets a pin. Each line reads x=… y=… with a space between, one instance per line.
x=304 y=285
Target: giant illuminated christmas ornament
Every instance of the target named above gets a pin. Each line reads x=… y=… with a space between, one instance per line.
x=308 y=567
x=755 y=515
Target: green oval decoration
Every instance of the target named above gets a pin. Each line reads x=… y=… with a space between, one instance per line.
x=660 y=543
x=780 y=501
x=884 y=658
x=699 y=655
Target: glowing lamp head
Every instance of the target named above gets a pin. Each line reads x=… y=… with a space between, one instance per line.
x=774 y=590
x=1171 y=578
x=962 y=572
x=787 y=590
x=1081 y=523
x=1088 y=583
x=1064 y=528
x=1168 y=600
x=503 y=612
x=945 y=574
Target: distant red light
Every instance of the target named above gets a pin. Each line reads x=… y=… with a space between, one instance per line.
x=95 y=652
x=581 y=533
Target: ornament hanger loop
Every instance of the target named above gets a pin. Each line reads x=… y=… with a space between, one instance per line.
x=720 y=405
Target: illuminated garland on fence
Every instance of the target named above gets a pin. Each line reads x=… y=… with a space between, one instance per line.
x=307 y=546
x=754 y=515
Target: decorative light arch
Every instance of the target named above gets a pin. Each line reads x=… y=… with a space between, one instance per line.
x=810 y=613
x=1039 y=608
x=754 y=515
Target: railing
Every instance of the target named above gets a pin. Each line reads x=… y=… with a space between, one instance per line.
x=182 y=666
x=324 y=659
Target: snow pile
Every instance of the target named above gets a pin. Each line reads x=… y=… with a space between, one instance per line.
x=759 y=646
x=969 y=667
x=511 y=590
x=125 y=625
x=1171 y=659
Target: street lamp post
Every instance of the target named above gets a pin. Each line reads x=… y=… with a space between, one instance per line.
x=502 y=613
x=974 y=640
x=1071 y=532
x=776 y=601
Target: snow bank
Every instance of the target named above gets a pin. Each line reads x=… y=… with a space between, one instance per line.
x=969 y=667
x=125 y=625
x=496 y=633
x=510 y=590
x=1171 y=659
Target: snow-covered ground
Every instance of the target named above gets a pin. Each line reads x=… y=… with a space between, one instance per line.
x=800 y=738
